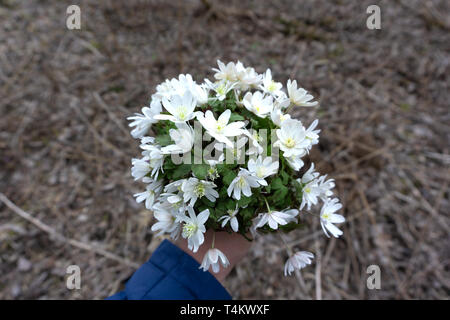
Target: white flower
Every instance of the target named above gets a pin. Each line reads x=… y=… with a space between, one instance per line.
x=152 y=191
x=167 y=220
x=292 y=138
x=258 y=104
x=194 y=228
x=243 y=182
x=247 y=77
x=325 y=187
x=220 y=129
x=179 y=87
x=275 y=218
x=298 y=261
x=213 y=257
x=181 y=108
x=263 y=168
x=231 y=217
x=174 y=186
x=144 y=121
x=231 y=154
x=226 y=72
x=194 y=189
x=295 y=161
x=328 y=217
x=255 y=146
x=308 y=175
x=172 y=201
x=278 y=117
x=311 y=134
x=183 y=137
x=300 y=96
x=310 y=193
x=221 y=88
x=270 y=86
x=140 y=168
x=152 y=153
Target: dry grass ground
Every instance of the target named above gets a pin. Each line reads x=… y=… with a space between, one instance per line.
x=65 y=148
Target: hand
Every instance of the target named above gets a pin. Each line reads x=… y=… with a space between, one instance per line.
x=234 y=246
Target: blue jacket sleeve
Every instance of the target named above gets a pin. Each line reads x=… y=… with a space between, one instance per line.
x=171 y=274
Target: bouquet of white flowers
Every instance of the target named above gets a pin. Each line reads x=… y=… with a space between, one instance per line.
x=226 y=156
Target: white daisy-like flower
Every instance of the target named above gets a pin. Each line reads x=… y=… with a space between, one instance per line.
x=183 y=137
x=256 y=139
x=243 y=183
x=221 y=88
x=292 y=138
x=310 y=193
x=231 y=217
x=194 y=228
x=247 y=78
x=311 y=134
x=181 y=108
x=213 y=258
x=269 y=86
x=328 y=217
x=179 y=87
x=275 y=218
x=257 y=103
x=194 y=189
x=153 y=155
x=174 y=201
x=140 y=168
x=278 y=117
x=220 y=129
x=143 y=122
x=174 y=186
x=226 y=72
x=295 y=161
x=153 y=190
x=325 y=187
x=299 y=96
x=299 y=260
x=231 y=154
x=167 y=220
x=309 y=175
x=262 y=168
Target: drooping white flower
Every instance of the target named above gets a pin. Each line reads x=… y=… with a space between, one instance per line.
x=299 y=96
x=183 y=137
x=181 y=108
x=194 y=228
x=231 y=217
x=194 y=189
x=220 y=129
x=298 y=261
x=269 y=86
x=213 y=258
x=221 y=88
x=292 y=138
x=275 y=218
x=143 y=122
x=243 y=183
x=328 y=217
x=262 y=168
x=257 y=103
x=153 y=189
x=256 y=139
x=167 y=220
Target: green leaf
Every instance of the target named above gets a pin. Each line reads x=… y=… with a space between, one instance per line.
x=277 y=184
x=181 y=171
x=236 y=117
x=164 y=140
x=200 y=171
x=229 y=177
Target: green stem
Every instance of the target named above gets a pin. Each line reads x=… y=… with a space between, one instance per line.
x=214 y=239
x=267 y=205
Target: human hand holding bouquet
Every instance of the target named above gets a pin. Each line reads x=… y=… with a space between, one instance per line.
x=226 y=156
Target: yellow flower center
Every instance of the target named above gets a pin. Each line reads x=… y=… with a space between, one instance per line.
x=290 y=143
x=189 y=230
